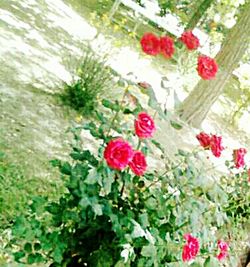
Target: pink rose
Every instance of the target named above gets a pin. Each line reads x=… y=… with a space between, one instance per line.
x=118 y=153
x=207 y=67
x=191 y=248
x=239 y=155
x=204 y=139
x=144 y=125
x=150 y=44
x=223 y=247
x=190 y=40
x=216 y=146
x=167 y=46
x=138 y=163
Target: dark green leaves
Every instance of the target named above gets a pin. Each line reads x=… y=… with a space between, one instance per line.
x=84 y=155
x=176 y=125
x=111 y=105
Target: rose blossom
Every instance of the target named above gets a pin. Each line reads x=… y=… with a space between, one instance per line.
x=223 y=246
x=118 y=153
x=204 y=139
x=207 y=67
x=238 y=155
x=144 y=125
x=191 y=248
x=150 y=44
x=167 y=46
x=216 y=146
x=190 y=40
x=138 y=163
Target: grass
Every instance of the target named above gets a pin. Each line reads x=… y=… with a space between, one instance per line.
x=16 y=190
x=93 y=79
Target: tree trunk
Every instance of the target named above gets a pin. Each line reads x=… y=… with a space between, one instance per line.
x=200 y=11
x=195 y=107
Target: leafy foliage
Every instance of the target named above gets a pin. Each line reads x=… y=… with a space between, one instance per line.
x=114 y=218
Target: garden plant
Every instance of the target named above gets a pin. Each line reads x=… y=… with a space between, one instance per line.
x=128 y=203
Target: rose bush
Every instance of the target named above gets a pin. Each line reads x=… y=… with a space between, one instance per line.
x=119 y=211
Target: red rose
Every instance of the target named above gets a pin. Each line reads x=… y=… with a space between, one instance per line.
x=207 y=67
x=190 y=40
x=144 y=125
x=191 y=248
x=167 y=46
x=239 y=155
x=204 y=139
x=150 y=44
x=138 y=163
x=216 y=146
x=223 y=246
x=118 y=153
x=221 y=256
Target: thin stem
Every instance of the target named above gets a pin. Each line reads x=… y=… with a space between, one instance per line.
x=139 y=144
x=117 y=112
x=160 y=176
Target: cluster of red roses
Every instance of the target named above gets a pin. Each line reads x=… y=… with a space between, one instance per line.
x=213 y=142
x=192 y=247
x=119 y=153
x=154 y=45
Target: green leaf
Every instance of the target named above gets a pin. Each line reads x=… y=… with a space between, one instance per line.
x=31 y=259
x=175 y=125
x=110 y=105
x=65 y=168
x=18 y=255
x=28 y=247
x=211 y=262
x=149 y=251
x=57 y=255
x=151 y=203
x=107 y=180
x=158 y=145
x=84 y=155
x=55 y=162
x=37 y=246
x=144 y=220
x=93 y=177
x=97 y=208
x=19 y=227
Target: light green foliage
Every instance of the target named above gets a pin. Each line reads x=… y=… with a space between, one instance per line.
x=114 y=218
x=93 y=79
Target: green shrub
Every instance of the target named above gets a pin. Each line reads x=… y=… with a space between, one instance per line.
x=93 y=80
x=115 y=218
